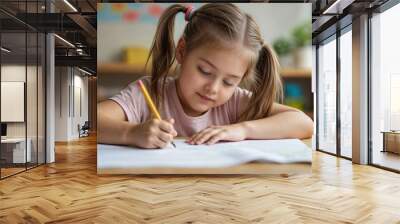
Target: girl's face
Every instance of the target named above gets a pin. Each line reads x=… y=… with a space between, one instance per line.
x=209 y=75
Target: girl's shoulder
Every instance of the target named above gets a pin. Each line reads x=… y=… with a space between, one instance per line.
x=146 y=79
x=240 y=97
x=241 y=93
x=238 y=100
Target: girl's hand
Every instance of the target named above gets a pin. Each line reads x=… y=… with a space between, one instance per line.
x=154 y=133
x=213 y=134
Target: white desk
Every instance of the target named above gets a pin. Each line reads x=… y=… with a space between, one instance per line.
x=284 y=156
x=16 y=146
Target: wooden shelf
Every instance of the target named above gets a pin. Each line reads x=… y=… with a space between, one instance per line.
x=120 y=69
x=296 y=73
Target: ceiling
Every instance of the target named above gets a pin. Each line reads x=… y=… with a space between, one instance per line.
x=330 y=15
x=76 y=24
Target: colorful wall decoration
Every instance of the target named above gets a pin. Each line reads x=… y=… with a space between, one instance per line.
x=133 y=12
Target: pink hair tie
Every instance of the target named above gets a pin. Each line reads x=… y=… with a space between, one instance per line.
x=188 y=12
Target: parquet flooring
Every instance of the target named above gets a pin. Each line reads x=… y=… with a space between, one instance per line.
x=10 y=171
x=69 y=191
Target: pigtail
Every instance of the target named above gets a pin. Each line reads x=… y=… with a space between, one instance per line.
x=162 y=53
x=267 y=87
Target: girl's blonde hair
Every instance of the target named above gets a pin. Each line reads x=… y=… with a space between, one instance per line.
x=219 y=24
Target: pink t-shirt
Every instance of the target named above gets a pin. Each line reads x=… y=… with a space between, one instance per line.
x=135 y=107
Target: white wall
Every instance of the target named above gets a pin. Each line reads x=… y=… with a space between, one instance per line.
x=17 y=73
x=13 y=73
x=33 y=125
x=67 y=115
x=82 y=82
x=275 y=20
x=12 y=101
x=80 y=103
x=61 y=103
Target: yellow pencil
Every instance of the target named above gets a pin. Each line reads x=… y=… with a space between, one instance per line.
x=150 y=102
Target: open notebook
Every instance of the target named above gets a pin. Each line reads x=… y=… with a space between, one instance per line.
x=223 y=154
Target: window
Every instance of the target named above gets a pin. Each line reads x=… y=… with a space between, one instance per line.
x=346 y=93
x=327 y=96
x=22 y=76
x=385 y=89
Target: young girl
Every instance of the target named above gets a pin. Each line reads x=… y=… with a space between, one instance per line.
x=221 y=47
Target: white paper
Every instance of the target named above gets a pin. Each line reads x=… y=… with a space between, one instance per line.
x=221 y=154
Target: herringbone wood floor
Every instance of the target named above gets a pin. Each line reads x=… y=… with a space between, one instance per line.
x=69 y=191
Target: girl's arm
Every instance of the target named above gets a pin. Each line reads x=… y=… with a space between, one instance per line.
x=284 y=122
x=114 y=128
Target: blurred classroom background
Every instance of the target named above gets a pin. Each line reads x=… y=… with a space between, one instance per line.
x=125 y=33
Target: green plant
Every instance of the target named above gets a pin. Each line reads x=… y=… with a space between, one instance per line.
x=301 y=35
x=282 y=46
